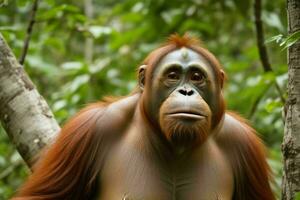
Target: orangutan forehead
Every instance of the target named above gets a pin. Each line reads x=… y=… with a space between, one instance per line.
x=184 y=53
x=184 y=56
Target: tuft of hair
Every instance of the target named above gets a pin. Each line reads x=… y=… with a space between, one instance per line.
x=183 y=41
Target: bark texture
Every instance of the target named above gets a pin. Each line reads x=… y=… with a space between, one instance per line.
x=291 y=143
x=24 y=113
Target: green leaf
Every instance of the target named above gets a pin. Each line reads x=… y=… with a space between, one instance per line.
x=276 y=38
x=78 y=82
x=292 y=39
x=271 y=105
x=285 y=42
x=57 y=12
x=22 y=3
x=272 y=19
x=98 y=31
x=72 y=65
x=59 y=105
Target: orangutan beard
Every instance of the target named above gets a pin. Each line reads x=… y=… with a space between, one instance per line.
x=185 y=133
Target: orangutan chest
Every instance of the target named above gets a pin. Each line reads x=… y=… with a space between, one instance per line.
x=137 y=177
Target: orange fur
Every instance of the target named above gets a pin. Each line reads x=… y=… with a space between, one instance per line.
x=69 y=168
x=246 y=153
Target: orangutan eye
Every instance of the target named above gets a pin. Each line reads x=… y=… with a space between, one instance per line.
x=197 y=77
x=173 y=76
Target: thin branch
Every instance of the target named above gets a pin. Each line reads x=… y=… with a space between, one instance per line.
x=5 y=173
x=29 y=31
x=263 y=54
x=260 y=37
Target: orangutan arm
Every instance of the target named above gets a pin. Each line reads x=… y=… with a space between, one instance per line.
x=247 y=156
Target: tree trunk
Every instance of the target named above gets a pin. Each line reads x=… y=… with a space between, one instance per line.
x=291 y=141
x=24 y=113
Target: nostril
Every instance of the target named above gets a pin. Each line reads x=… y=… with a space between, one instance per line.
x=183 y=92
x=191 y=92
x=186 y=92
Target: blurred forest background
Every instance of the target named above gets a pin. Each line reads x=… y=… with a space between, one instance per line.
x=81 y=51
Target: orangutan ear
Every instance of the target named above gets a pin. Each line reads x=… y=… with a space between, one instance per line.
x=141 y=76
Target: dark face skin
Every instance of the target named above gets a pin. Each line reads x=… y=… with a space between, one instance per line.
x=181 y=97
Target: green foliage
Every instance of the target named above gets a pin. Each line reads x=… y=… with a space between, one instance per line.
x=12 y=169
x=122 y=34
x=297 y=196
x=285 y=42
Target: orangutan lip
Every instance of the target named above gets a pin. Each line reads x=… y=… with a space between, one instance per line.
x=186 y=114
